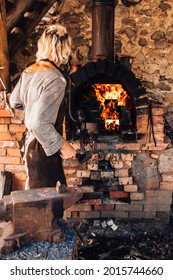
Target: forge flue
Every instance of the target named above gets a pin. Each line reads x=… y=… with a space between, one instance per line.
x=33 y=215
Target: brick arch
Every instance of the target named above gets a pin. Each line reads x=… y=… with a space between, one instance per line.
x=108 y=71
x=103 y=71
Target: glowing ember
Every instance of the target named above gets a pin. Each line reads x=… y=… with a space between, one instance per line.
x=110 y=96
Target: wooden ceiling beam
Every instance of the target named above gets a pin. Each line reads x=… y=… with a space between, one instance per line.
x=15 y=14
x=27 y=24
x=4 y=58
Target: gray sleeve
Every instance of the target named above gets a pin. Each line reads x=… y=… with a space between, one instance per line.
x=15 y=100
x=45 y=112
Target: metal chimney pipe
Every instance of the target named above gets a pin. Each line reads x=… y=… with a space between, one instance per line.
x=103 y=29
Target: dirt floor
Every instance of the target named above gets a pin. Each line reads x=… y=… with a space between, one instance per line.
x=108 y=239
x=119 y=240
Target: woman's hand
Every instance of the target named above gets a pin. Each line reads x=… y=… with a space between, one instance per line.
x=67 y=151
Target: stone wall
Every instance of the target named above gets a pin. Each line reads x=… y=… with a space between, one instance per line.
x=143 y=32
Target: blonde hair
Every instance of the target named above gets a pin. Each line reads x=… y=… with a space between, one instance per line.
x=54 y=44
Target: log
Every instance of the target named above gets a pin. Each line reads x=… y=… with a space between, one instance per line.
x=4 y=59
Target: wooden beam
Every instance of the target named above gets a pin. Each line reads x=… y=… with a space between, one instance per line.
x=16 y=14
x=4 y=58
x=27 y=25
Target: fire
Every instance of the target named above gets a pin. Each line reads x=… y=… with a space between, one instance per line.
x=110 y=96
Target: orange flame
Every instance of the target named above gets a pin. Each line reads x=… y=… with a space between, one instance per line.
x=110 y=96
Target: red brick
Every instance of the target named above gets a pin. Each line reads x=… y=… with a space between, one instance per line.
x=13 y=153
x=16 y=121
x=158 y=120
x=5 y=120
x=107 y=174
x=149 y=215
x=136 y=215
x=74 y=214
x=128 y=207
x=67 y=214
x=6 y=144
x=2 y=152
x=74 y=181
x=121 y=173
x=127 y=163
x=9 y=136
x=125 y=181
x=87 y=189
x=152 y=147
x=10 y=160
x=158 y=128
x=3 y=128
x=104 y=207
x=20 y=176
x=69 y=172
x=117 y=164
x=83 y=173
x=157 y=207
x=166 y=186
x=167 y=178
x=118 y=194
x=128 y=157
x=129 y=146
x=17 y=127
x=115 y=156
x=89 y=215
x=6 y=114
x=158 y=111
x=114 y=214
x=18 y=185
x=2 y=167
x=77 y=207
x=92 y=166
x=130 y=188
x=90 y=201
x=14 y=168
x=137 y=195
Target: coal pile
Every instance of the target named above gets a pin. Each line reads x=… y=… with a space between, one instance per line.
x=104 y=240
x=127 y=241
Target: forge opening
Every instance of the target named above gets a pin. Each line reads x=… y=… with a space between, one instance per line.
x=103 y=109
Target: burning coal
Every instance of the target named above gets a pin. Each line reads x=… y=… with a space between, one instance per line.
x=110 y=97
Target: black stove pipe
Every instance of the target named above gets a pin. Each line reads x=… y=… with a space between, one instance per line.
x=103 y=29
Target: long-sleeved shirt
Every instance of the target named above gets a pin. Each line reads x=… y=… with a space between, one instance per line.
x=40 y=94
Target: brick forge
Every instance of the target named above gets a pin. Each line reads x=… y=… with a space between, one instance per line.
x=110 y=180
x=123 y=179
x=111 y=186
